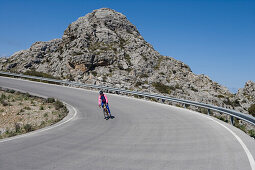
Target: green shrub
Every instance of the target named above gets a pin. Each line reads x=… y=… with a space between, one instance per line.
x=187 y=105
x=45 y=115
x=128 y=69
x=32 y=103
x=104 y=78
x=251 y=110
x=50 y=100
x=122 y=42
x=127 y=58
x=3 y=96
x=26 y=96
x=70 y=77
x=114 y=49
x=242 y=127
x=220 y=96
x=252 y=133
x=43 y=123
x=41 y=108
x=60 y=57
x=158 y=63
x=58 y=105
x=227 y=101
x=27 y=108
x=223 y=119
x=10 y=133
x=137 y=96
x=94 y=73
x=138 y=84
x=28 y=128
x=236 y=103
x=120 y=67
x=154 y=99
x=177 y=86
x=178 y=105
x=194 y=89
x=144 y=57
x=12 y=91
x=162 y=88
x=144 y=75
x=17 y=128
x=203 y=110
x=39 y=74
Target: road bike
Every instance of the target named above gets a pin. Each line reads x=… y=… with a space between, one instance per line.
x=105 y=111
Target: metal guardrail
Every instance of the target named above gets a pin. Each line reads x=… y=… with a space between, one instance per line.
x=245 y=117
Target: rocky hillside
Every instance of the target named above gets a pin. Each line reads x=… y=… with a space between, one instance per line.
x=103 y=47
x=246 y=96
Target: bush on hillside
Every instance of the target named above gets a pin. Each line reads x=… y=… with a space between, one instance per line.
x=251 y=110
x=39 y=74
x=58 y=105
x=162 y=88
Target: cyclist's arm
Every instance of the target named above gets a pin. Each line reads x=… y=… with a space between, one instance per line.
x=99 y=101
x=106 y=98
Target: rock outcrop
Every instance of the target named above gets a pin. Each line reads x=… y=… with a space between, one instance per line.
x=246 y=95
x=103 y=47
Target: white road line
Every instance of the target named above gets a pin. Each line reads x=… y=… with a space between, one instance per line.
x=246 y=150
x=248 y=153
x=43 y=129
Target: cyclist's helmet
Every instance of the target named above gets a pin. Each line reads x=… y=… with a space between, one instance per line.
x=101 y=92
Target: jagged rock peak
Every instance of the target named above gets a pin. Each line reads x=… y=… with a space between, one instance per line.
x=249 y=88
x=103 y=20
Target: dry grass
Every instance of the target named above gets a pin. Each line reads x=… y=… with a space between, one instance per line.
x=21 y=113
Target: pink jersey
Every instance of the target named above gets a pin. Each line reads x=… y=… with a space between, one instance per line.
x=100 y=100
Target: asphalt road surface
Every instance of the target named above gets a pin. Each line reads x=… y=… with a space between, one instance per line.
x=143 y=135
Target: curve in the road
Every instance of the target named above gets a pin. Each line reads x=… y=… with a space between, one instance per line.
x=144 y=135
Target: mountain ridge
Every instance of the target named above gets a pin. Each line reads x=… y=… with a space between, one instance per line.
x=104 y=47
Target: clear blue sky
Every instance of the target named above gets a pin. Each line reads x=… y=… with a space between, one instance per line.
x=215 y=38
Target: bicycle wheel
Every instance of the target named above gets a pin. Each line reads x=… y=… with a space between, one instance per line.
x=106 y=114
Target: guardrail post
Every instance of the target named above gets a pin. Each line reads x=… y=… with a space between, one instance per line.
x=184 y=105
x=232 y=120
x=208 y=112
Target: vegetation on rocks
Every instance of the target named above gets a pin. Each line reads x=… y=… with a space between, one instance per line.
x=39 y=74
x=251 y=110
x=162 y=88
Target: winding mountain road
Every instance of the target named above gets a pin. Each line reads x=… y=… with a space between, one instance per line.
x=143 y=135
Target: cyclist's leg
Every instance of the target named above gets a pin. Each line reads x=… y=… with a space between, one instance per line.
x=108 y=109
x=102 y=105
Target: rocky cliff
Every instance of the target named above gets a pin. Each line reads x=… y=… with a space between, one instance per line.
x=103 y=47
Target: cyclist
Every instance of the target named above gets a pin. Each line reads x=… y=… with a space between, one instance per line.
x=102 y=99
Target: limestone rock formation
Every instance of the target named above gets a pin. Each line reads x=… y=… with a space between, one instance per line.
x=103 y=47
x=246 y=95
